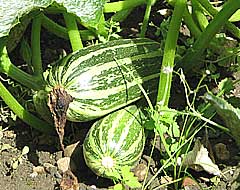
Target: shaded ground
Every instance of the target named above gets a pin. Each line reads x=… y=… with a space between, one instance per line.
x=45 y=151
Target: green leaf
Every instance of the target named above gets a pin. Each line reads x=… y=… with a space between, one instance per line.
x=128 y=177
x=235 y=17
x=118 y=187
x=126 y=173
x=229 y=114
x=89 y=11
x=133 y=183
x=113 y=174
x=225 y=85
x=11 y=11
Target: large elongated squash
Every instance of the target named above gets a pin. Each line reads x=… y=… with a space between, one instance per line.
x=115 y=141
x=105 y=77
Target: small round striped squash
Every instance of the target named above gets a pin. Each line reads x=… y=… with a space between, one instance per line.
x=114 y=141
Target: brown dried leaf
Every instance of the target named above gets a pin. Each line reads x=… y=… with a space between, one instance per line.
x=58 y=102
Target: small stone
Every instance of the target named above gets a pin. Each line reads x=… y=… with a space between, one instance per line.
x=189 y=183
x=221 y=151
x=69 y=181
x=39 y=169
x=63 y=164
x=140 y=171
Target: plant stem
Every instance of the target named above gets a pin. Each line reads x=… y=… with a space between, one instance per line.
x=198 y=14
x=121 y=5
x=17 y=74
x=203 y=41
x=61 y=31
x=55 y=28
x=36 y=49
x=146 y=19
x=169 y=54
x=73 y=32
x=195 y=31
x=231 y=27
x=101 y=27
x=23 y=114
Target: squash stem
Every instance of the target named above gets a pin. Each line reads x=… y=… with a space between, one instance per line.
x=188 y=20
x=62 y=32
x=194 y=29
x=210 y=9
x=36 y=49
x=121 y=5
x=202 y=42
x=146 y=18
x=23 y=114
x=17 y=74
x=169 y=54
x=73 y=32
x=200 y=18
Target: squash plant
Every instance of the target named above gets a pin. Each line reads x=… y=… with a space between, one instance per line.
x=90 y=14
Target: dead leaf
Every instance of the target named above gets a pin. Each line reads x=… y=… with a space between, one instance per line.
x=199 y=160
x=58 y=102
x=63 y=164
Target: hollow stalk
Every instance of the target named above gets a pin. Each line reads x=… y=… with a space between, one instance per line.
x=121 y=5
x=204 y=39
x=229 y=26
x=169 y=54
x=73 y=32
x=61 y=31
x=17 y=74
x=23 y=114
x=146 y=17
x=36 y=48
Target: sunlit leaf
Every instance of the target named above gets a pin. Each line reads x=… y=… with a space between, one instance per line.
x=11 y=11
x=229 y=114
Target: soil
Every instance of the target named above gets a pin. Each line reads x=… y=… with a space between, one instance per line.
x=40 y=170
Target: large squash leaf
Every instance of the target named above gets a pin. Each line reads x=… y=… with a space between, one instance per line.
x=11 y=11
x=229 y=114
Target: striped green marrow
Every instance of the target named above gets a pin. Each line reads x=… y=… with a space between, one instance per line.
x=105 y=77
x=114 y=141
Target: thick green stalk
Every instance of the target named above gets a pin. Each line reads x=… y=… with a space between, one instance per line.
x=187 y=17
x=54 y=28
x=36 y=49
x=73 y=32
x=23 y=114
x=146 y=18
x=210 y=9
x=169 y=54
x=198 y=14
x=17 y=74
x=202 y=42
x=121 y=5
x=62 y=32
